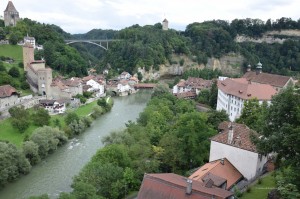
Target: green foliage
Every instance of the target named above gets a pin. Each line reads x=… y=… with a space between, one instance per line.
x=19 y=118
x=43 y=196
x=13 y=163
x=40 y=117
x=14 y=72
x=253 y=114
x=202 y=73
x=103 y=103
x=47 y=139
x=31 y=152
x=70 y=117
x=216 y=117
x=160 y=89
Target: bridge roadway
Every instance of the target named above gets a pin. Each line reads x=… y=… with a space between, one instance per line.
x=97 y=42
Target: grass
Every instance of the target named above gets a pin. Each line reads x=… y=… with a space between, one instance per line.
x=13 y=51
x=260 y=191
x=8 y=133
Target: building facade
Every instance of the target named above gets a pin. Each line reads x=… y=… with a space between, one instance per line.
x=165 y=24
x=232 y=94
x=234 y=143
x=11 y=15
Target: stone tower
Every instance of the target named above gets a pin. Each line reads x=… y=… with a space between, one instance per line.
x=28 y=55
x=165 y=24
x=44 y=81
x=11 y=15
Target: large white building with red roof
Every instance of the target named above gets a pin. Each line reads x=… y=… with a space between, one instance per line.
x=232 y=94
x=234 y=143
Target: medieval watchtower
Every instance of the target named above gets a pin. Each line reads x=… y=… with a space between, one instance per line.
x=11 y=15
x=165 y=24
x=28 y=55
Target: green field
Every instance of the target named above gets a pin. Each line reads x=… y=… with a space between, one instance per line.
x=260 y=191
x=8 y=133
x=13 y=51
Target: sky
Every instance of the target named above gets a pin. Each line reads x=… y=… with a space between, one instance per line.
x=81 y=16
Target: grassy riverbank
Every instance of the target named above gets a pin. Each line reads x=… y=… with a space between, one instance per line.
x=8 y=133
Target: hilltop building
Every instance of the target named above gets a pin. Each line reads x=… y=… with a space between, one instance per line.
x=11 y=15
x=165 y=24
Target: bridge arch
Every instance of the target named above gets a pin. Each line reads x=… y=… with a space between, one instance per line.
x=90 y=42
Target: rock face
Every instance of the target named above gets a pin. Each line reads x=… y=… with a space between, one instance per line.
x=270 y=37
x=230 y=64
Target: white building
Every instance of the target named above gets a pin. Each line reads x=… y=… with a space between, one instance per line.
x=234 y=143
x=124 y=75
x=95 y=87
x=192 y=84
x=54 y=106
x=30 y=40
x=123 y=87
x=232 y=93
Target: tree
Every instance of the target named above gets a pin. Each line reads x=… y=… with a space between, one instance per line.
x=216 y=117
x=14 y=72
x=19 y=118
x=70 y=117
x=2 y=67
x=31 y=152
x=281 y=131
x=140 y=76
x=253 y=114
x=41 y=117
x=160 y=89
x=13 y=163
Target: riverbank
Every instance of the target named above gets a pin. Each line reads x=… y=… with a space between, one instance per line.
x=12 y=135
x=55 y=173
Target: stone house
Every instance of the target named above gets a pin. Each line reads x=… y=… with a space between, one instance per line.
x=8 y=97
x=124 y=76
x=234 y=143
x=123 y=87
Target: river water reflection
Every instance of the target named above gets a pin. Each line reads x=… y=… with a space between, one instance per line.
x=54 y=175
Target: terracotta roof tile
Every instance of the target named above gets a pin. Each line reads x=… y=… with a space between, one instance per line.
x=218 y=171
x=238 y=88
x=241 y=136
x=173 y=186
x=266 y=78
x=7 y=91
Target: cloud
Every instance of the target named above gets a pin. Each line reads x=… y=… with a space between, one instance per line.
x=79 y=16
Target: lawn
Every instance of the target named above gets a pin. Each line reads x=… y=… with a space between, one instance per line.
x=8 y=133
x=13 y=51
x=260 y=191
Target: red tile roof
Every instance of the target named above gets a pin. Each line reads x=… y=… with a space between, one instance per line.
x=199 y=83
x=239 y=88
x=219 y=171
x=266 y=78
x=241 y=136
x=7 y=91
x=173 y=186
x=185 y=95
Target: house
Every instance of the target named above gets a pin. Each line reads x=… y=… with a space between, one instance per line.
x=278 y=82
x=133 y=80
x=124 y=75
x=95 y=87
x=30 y=40
x=124 y=88
x=54 y=106
x=173 y=186
x=234 y=143
x=74 y=84
x=193 y=84
x=186 y=95
x=8 y=96
x=221 y=172
x=232 y=94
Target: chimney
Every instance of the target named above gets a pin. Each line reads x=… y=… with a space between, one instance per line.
x=258 y=68
x=222 y=161
x=249 y=68
x=230 y=134
x=189 y=186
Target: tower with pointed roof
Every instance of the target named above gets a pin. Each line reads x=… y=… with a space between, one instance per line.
x=165 y=24
x=11 y=15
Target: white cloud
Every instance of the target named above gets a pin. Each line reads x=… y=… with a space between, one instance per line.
x=78 y=16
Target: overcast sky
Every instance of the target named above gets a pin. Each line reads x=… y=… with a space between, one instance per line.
x=80 y=16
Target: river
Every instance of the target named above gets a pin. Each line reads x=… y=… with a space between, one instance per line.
x=55 y=173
